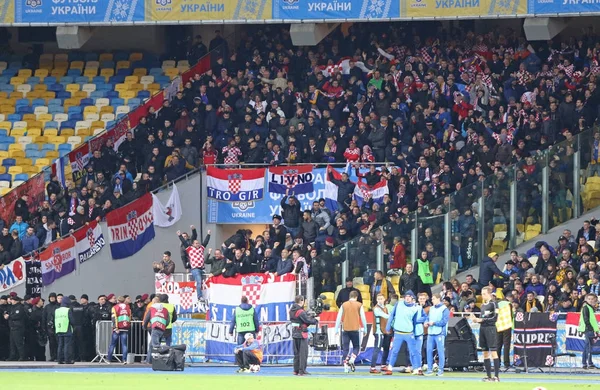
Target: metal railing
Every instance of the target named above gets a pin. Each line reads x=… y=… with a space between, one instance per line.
x=510 y=206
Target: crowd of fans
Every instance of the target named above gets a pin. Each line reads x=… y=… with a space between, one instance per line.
x=443 y=108
x=548 y=278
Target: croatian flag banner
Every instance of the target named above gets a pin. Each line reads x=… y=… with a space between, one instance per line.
x=89 y=241
x=364 y=193
x=58 y=260
x=131 y=227
x=271 y=295
x=295 y=179
x=575 y=340
x=235 y=185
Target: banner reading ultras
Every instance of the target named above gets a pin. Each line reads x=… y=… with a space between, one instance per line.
x=165 y=10
x=452 y=8
x=563 y=6
x=336 y=9
x=79 y=11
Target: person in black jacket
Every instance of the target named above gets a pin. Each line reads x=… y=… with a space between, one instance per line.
x=344 y=294
x=37 y=340
x=48 y=324
x=16 y=250
x=291 y=213
x=62 y=223
x=408 y=281
x=17 y=322
x=345 y=188
x=277 y=233
x=21 y=208
x=185 y=242
x=217 y=263
x=300 y=322
x=5 y=257
x=6 y=239
x=488 y=269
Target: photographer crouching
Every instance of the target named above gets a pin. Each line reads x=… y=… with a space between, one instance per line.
x=300 y=323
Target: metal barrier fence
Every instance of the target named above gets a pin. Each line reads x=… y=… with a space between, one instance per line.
x=137 y=342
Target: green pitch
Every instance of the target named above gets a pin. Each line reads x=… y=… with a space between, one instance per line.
x=15 y=380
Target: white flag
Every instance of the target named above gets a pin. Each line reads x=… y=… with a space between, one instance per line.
x=167 y=215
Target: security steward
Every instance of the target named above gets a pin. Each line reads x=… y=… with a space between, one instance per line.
x=245 y=320
x=168 y=336
x=588 y=325
x=63 y=320
x=17 y=322
x=300 y=323
x=78 y=321
x=48 y=324
x=4 y=330
x=156 y=320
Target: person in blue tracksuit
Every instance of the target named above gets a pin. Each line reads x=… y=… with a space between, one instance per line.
x=403 y=320
x=421 y=317
x=437 y=328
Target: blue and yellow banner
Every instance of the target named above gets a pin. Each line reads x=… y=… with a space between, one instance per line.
x=563 y=6
x=7 y=12
x=461 y=8
x=175 y=10
x=79 y=11
x=339 y=9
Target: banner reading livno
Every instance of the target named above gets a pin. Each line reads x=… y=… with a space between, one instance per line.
x=296 y=179
x=131 y=227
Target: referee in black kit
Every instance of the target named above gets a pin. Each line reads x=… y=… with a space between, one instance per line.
x=488 y=338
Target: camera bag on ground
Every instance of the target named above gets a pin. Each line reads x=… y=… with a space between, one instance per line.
x=166 y=358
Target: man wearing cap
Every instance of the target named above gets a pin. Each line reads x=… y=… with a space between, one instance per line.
x=101 y=311
x=403 y=320
x=37 y=350
x=78 y=312
x=17 y=322
x=248 y=355
x=488 y=269
x=111 y=299
x=48 y=324
x=278 y=233
x=139 y=306
x=290 y=211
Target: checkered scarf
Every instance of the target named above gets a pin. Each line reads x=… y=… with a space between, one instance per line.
x=523 y=77
x=568 y=69
x=427 y=58
x=595 y=68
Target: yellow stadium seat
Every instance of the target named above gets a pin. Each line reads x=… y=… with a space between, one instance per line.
x=72 y=88
x=80 y=95
x=34 y=123
x=49 y=95
x=17 y=80
x=90 y=72
x=6 y=109
x=25 y=73
x=98 y=124
x=34 y=131
x=92 y=64
x=107 y=109
x=16 y=152
x=4 y=191
x=17 y=132
x=123 y=65
x=107 y=72
x=14 y=170
x=127 y=95
x=136 y=87
x=51 y=132
x=140 y=72
x=44 y=118
x=5 y=125
x=16 y=95
x=83 y=132
x=52 y=154
x=41 y=73
x=58 y=72
x=40 y=87
x=105 y=57
x=121 y=87
x=137 y=56
x=77 y=65
x=57 y=140
x=42 y=161
x=152 y=87
x=131 y=79
x=29 y=118
x=41 y=139
x=30 y=169
x=90 y=110
x=172 y=72
x=67 y=132
x=15 y=147
x=3 y=154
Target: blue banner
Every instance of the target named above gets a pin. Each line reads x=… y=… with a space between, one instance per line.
x=341 y=9
x=562 y=6
x=192 y=334
x=79 y=11
x=261 y=211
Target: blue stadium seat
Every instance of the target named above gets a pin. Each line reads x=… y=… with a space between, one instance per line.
x=38 y=102
x=110 y=124
x=56 y=87
x=51 y=125
x=162 y=79
x=74 y=72
x=3 y=133
x=7 y=87
x=33 y=80
x=107 y=64
x=10 y=139
x=112 y=94
x=49 y=81
x=48 y=147
x=99 y=80
x=142 y=95
x=75 y=110
x=68 y=124
x=5 y=177
x=66 y=147
x=55 y=102
x=117 y=102
x=21 y=177
x=64 y=152
x=91 y=57
x=121 y=56
x=9 y=162
x=124 y=72
x=63 y=95
x=76 y=56
x=14 y=117
x=97 y=94
x=3 y=146
x=66 y=80
x=24 y=110
x=11 y=72
x=104 y=87
x=4 y=80
x=57 y=109
x=86 y=102
x=82 y=80
x=75 y=116
x=156 y=72
x=116 y=79
x=31 y=147
x=134 y=101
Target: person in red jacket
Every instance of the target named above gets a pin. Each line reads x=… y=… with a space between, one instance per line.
x=397 y=254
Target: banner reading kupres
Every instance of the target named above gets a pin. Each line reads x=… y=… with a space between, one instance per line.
x=79 y=11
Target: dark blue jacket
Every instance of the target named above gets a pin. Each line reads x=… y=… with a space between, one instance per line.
x=244 y=306
x=487 y=270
